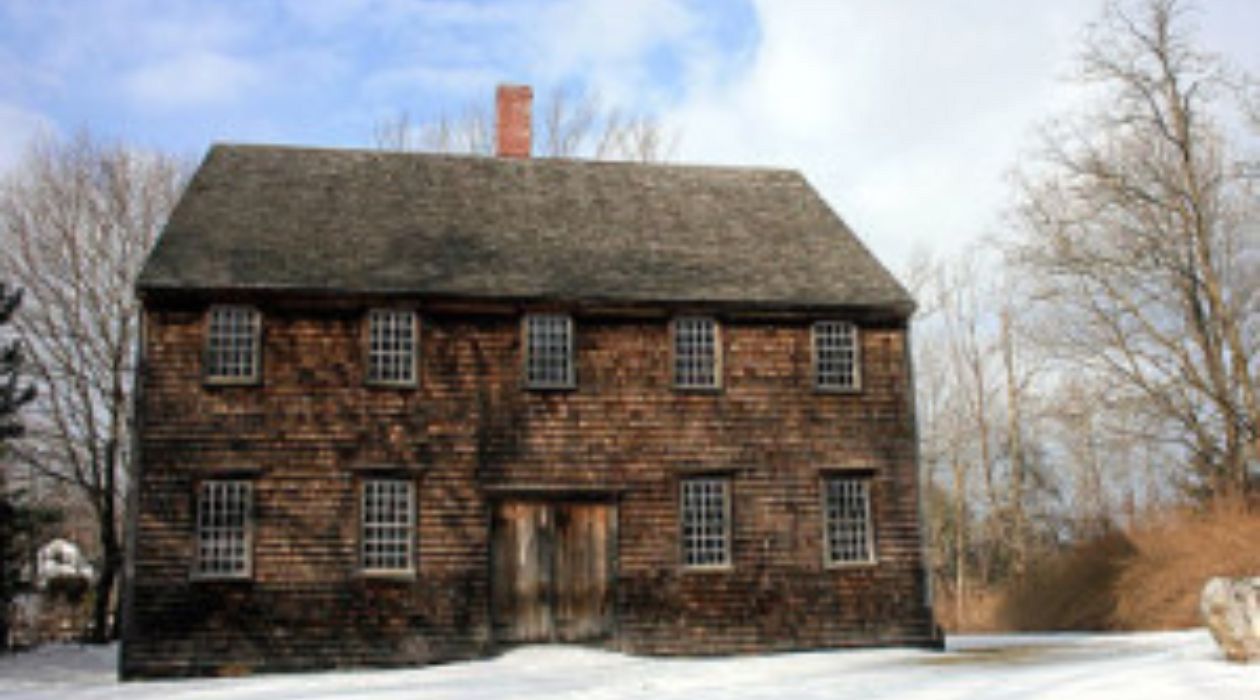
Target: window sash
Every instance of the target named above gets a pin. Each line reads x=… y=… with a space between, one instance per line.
x=232 y=344
x=548 y=351
x=836 y=355
x=705 y=522
x=224 y=529
x=847 y=509
x=697 y=354
x=392 y=347
x=387 y=526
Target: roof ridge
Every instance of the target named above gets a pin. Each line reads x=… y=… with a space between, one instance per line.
x=556 y=160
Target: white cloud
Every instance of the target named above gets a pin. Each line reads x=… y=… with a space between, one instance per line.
x=607 y=43
x=904 y=115
x=191 y=79
x=18 y=128
x=459 y=82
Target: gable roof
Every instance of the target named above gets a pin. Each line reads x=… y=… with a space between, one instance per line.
x=322 y=220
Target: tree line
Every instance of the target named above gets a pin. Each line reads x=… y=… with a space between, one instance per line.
x=1097 y=358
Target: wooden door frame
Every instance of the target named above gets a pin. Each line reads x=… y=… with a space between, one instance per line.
x=551 y=496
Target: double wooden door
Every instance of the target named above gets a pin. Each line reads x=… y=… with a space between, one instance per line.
x=552 y=570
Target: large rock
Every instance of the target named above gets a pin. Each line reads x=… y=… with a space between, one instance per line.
x=1231 y=610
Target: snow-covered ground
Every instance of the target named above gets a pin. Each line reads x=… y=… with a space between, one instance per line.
x=1148 y=666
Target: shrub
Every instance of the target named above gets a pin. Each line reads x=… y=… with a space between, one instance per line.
x=1072 y=589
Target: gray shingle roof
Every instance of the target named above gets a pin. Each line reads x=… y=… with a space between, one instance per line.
x=269 y=217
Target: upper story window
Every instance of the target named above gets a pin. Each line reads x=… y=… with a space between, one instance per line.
x=387 y=533
x=847 y=509
x=548 y=351
x=392 y=347
x=232 y=342
x=706 y=521
x=224 y=509
x=697 y=358
x=836 y=360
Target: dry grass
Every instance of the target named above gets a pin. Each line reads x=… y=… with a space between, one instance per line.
x=1146 y=579
x=1176 y=554
x=979 y=610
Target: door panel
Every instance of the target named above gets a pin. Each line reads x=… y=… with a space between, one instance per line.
x=522 y=572
x=583 y=560
x=553 y=568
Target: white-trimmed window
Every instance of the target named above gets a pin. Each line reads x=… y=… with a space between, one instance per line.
x=836 y=361
x=224 y=526
x=388 y=526
x=706 y=521
x=548 y=351
x=847 y=506
x=232 y=344
x=392 y=346
x=697 y=359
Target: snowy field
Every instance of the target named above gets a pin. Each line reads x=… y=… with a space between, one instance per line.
x=1145 y=666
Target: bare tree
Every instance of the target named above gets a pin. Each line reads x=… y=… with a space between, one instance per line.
x=571 y=124
x=952 y=363
x=1142 y=236
x=76 y=220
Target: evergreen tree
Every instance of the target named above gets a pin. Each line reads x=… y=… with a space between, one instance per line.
x=18 y=520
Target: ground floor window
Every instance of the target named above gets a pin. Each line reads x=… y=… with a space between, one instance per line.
x=847 y=509
x=706 y=521
x=223 y=528
x=388 y=525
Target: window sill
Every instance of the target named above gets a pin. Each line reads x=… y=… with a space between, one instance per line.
x=386 y=575
x=708 y=568
x=547 y=388
x=700 y=390
x=837 y=390
x=851 y=565
x=221 y=578
x=382 y=384
x=230 y=381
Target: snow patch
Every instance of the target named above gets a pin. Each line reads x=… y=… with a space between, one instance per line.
x=1152 y=666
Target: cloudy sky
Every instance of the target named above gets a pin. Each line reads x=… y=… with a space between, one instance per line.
x=905 y=114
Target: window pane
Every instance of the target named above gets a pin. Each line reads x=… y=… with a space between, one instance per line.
x=392 y=346
x=548 y=350
x=848 y=519
x=223 y=509
x=232 y=343
x=705 y=530
x=387 y=525
x=695 y=352
x=835 y=355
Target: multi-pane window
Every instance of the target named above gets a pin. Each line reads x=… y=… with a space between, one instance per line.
x=223 y=528
x=232 y=344
x=836 y=355
x=388 y=525
x=847 y=502
x=696 y=363
x=548 y=350
x=391 y=346
x=706 y=527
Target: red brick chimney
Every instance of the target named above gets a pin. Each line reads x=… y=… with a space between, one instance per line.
x=514 y=122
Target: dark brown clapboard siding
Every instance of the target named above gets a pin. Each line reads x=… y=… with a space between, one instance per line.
x=472 y=436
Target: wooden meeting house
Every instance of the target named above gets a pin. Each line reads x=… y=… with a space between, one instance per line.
x=397 y=408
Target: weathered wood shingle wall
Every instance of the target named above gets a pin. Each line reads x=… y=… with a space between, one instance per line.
x=469 y=433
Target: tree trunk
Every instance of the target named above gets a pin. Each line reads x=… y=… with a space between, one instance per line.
x=102 y=629
x=960 y=541
x=1014 y=417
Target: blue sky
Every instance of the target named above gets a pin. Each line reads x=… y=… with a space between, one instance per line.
x=905 y=114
